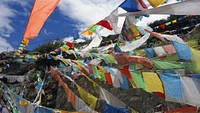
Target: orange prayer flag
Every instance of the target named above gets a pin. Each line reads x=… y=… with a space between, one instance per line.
x=25 y=41
x=40 y=12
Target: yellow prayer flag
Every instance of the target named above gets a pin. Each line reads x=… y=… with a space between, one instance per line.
x=195 y=59
x=140 y=52
x=134 y=31
x=133 y=83
x=91 y=25
x=174 y=21
x=110 y=58
x=23 y=103
x=87 y=97
x=87 y=32
x=192 y=43
x=102 y=69
x=62 y=49
x=155 y=3
x=152 y=82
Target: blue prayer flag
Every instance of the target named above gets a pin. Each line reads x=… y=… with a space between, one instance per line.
x=124 y=85
x=182 y=50
x=149 y=52
x=117 y=49
x=111 y=109
x=172 y=85
x=129 y=5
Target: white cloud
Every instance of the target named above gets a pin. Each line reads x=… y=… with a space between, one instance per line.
x=5 y=21
x=6 y=15
x=4 y=45
x=88 y=12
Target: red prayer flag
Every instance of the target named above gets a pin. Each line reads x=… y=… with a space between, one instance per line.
x=169 y=49
x=189 y=109
x=108 y=78
x=40 y=12
x=142 y=4
x=126 y=72
x=105 y=24
x=156 y=35
x=159 y=94
x=162 y=26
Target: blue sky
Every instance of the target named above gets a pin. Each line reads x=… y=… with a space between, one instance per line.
x=57 y=25
x=68 y=19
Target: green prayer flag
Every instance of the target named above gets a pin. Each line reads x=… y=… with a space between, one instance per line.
x=22 y=45
x=93 y=28
x=95 y=71
x=137 y=78
x=168 y=64
x=15 y=110
x=110 y=58
x=105 y=59
x=102 y=75
x=66 y=47
x=168 y=23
